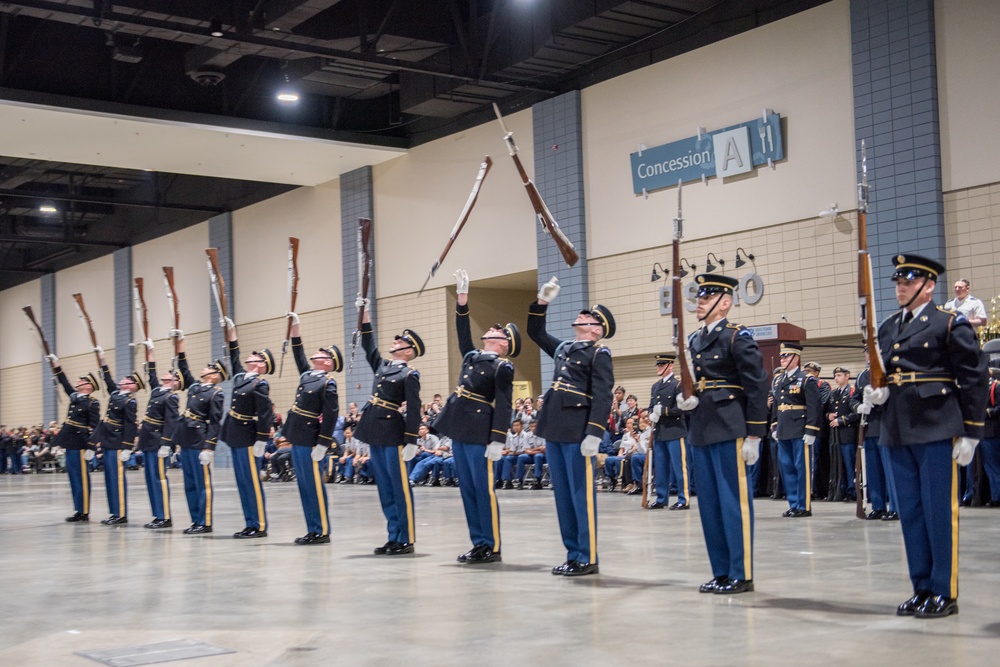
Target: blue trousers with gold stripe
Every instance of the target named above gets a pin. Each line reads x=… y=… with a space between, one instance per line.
x=476 y=482
x=394 y=492
x=311 y=490
x=157 y=485
x=926 y=479
x=572 y=478
x=79 y=479
x=114 y=483
x=725 y=502
x=250 y=488
x=197 y=487
x=795 y=463
x=672 y=455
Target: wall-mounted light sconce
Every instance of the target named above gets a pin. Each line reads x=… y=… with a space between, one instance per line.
x=740 y=262
x=656 y=276
x=694 y=268
x=709 y=267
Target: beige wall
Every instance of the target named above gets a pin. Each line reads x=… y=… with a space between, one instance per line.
x=800 y=67
x=20 y=345
x=21 y=395
x=183 y=250
x=972 y=232
x=260 y=250
x=418 y=198
x=428 y=315
x=95 y=281
x=968 y=59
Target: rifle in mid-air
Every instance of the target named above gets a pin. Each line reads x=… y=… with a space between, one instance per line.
x=175 y=307
x=141 y=317
x=219 y=293
x=293 y=295
x=364 y=278
x=88 y=326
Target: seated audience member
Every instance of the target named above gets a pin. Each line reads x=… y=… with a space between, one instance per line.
x=639 y=455
x=516 y=444
x=534 y=454
x=281 y=460
x=429 y=458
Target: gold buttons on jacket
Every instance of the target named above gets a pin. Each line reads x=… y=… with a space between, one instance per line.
x=895 y=358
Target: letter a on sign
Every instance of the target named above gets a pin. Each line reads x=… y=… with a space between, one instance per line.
x=732 y=152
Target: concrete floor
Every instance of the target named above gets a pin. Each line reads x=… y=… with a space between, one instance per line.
x=826 y=586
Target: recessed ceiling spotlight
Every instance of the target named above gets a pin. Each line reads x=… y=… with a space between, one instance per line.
x=47 y=208
x=215 y=27
x=288 y=96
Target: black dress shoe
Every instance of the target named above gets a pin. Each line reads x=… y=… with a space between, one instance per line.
x=196 y=529
x=384 y=549
x=655 y=506
x=498 y=484
x=399 y=549
x=797 y=513
x=464 y=558
x=114 y=520
x=636 y=491
x=710 y=586
x=891 y=516
x=937 y=607
x=561 y=569
x=79 y=517
x=483 y=554
x=909 y=608
x=313 y=538
x=436 y=482
x=159 y=523
x=789 y=512
x=734 y=586
x=508 y=485
x=875 y=515
x=680 y=506
x=578 y=569
x=537 y=486
x=250 y=533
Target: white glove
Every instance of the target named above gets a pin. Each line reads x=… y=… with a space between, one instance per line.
x=227 y=322
x=864 y=408
x=99 y=350
x=318 y=452
x=409 y=451
x=494 y=451
x=53 y=359
x=550 y=290
x=461 y=282
x=658 y=410
x=163 y=452
x=774 y=435
x=124 y=455
x=258 y=448
x=687 y=404
x=206 y=456
x=964 y=450
x=654 y=415
x=590 y=445
x=751 y=449
x=89 y=455
x=148 y=343
x=809 y=439
x=176 y=333
x=293 y=316
x=876 y=396
x=360 y=302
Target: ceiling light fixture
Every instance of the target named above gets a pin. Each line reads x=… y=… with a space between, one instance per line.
x=47 y=208
x=286 y=95
x=215 y=27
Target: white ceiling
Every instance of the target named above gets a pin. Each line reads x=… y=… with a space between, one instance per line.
x=87 y=137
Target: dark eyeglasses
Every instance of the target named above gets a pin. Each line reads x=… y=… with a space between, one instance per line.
x=493 y=338
x=321 y=358
x=663 y=363
x=586 y=324
x=786 y=354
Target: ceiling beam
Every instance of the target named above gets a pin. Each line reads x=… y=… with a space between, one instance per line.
x=54 y=241
x=85 y=199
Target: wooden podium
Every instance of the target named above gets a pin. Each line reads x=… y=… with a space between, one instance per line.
x=769 y=338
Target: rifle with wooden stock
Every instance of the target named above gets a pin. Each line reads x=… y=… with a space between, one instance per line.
x=293 y=295
x=677 y=305
x=141 y=316
x=364 y=278
x=876 y=368
x=29 y=314
x=88 y=325
x=542 y=212
x=175 y=307
x=484 y=169
x=219 y=294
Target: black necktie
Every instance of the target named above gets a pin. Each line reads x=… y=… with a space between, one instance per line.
x=907 y=317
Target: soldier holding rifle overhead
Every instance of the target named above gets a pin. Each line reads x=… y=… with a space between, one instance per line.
x=728 y=419
x=155 y=436
x=933 y=419
x=576 y=408
x=247 y=427
x=476 y=417
x=82 y=416
x=309 y=427
x=197 y=432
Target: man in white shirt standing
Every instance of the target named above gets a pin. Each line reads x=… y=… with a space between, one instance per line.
x=966 y=304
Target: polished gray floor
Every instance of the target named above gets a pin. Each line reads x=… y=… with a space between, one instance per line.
x=826 y=586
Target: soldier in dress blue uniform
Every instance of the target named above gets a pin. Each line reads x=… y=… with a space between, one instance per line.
x=197 y=433
x=82 y=417
x=116 y=435
x=728 y=419
x=799 y=414
x=475 y=417
x=670 y=452
x=155 y=435
x=878 y=470
x=309 y=427
x=933 y=419
x=393 y=437
x=843 y=421
x=572 y=420
x=991 y=432
x=246 y=429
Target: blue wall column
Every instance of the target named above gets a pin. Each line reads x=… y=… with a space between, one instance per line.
x=50 y=390
x=124 y=354
x=896 y=113
x=356 y=201
x=220 y=235
x=557 y=126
